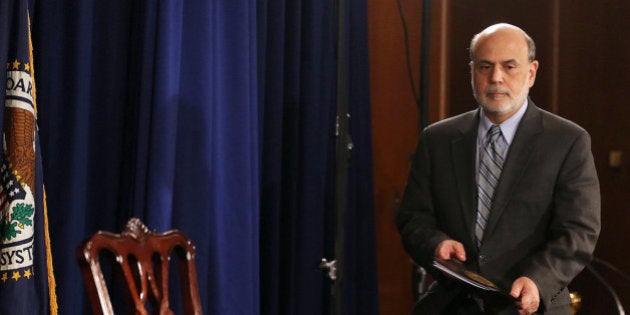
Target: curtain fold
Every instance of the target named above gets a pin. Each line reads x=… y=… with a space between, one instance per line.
x=149 y=109
x=215 y=117
x=298 y=53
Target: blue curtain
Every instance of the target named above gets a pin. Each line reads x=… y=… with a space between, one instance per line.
x=215 y=118
x=299 y=70
x=299 y=80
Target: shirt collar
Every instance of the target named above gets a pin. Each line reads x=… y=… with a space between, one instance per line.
x=508 y=127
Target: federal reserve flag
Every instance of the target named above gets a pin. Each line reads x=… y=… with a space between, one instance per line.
x=27 y=284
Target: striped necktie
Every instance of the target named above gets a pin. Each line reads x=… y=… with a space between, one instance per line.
x=490 y=167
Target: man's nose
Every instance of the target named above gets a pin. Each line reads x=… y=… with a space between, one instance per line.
x=496 y=75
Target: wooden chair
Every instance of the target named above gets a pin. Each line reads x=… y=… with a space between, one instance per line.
x=143 y=256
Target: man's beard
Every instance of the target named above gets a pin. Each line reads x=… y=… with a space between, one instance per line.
x=512 y=103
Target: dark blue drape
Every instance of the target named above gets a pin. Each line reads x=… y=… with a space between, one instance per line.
x=215 y=117
x=298 y=70
x=298 y=83
x=149 y=109
x=360 y=287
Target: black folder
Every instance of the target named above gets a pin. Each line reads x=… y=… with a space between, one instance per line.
x=456 y=270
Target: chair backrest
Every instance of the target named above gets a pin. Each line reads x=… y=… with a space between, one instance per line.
x=143 y=256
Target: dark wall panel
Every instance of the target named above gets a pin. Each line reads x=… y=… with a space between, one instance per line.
x=594 y=90
x=467 y=18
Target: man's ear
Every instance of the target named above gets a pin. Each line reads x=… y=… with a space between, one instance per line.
x=533 y=68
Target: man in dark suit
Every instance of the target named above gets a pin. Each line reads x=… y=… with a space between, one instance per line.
x=509 y=189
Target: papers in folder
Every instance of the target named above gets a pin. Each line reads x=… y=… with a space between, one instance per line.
x=456 y=270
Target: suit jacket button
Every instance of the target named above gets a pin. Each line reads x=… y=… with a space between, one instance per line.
x=482 y=258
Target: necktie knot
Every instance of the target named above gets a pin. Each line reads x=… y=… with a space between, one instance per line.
x=494 y=133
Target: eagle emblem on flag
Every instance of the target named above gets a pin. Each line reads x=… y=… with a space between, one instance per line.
x=17 y=169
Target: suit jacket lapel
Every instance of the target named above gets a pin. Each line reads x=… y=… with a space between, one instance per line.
x=516 y=162
x=463 y=150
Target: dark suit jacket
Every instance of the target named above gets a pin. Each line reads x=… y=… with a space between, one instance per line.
x=545 y=217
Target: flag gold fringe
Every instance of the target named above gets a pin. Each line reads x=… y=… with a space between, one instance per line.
x=49 y=262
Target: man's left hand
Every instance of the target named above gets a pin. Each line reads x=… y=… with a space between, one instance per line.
x=525 y=291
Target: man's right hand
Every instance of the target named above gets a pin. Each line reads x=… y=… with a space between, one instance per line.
x=450 y=249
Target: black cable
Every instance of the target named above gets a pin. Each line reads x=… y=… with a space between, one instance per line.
x=424 y=63
x=611 y=267
x=420 y=93
x=608 y=287
x=407 y=56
